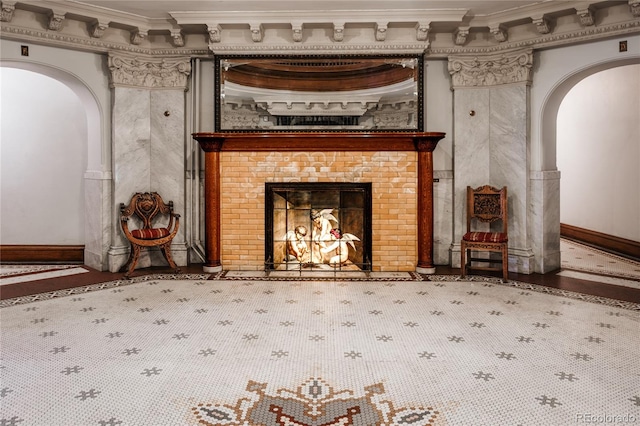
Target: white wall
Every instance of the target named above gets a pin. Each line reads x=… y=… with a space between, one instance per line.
x=598 y=153
x=43 y=156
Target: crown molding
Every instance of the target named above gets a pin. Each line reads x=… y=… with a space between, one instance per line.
x=414 y=36
x=321 y=17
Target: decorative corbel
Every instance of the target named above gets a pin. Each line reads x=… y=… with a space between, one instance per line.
x=587 y=16
x=177 y=38
x=422 y=31
x=138 y=36
x=215 y=33
x=381 y=30
x=461 y=36
x=634 y=7
x=6 y=14
x=338 y=31
x=296 y=29
x=542 y=23
x=98 y=28
x=55 y=20
x=499 y=32
x=256 y=32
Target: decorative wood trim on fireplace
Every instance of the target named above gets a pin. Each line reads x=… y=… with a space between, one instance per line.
x=422 y=142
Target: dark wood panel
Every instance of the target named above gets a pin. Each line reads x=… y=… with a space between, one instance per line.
x=42 y=253
x=604 y=241
x=310 y=141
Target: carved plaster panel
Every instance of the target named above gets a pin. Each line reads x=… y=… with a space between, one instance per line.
x=257 y=32
x=338 y=31
x=177 y=38
x=381 y=31
x=461 y=36
x=491 y=70
x=98 y=28
x=499 y=32
x=55 y=21
x=634 y=7
x=543 y=24
x=215 y=33
x=422 y=32
x=296 y=29
x=145 y=72
x=8 y=7
x=137 y=37
x=392 y=120
x=587 y=16
x=242 y=118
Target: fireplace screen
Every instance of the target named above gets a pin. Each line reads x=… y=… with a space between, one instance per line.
x=321 y=226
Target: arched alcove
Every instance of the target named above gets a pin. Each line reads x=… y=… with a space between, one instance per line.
x=555 y=97
x=83 y=211
x=598 y=153
x=42 y=161
x=562 y=70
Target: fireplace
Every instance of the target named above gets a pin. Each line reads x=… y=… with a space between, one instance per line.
x=394 y=231
x=318 y=226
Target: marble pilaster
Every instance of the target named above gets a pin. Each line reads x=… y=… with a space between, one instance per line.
x=148 y=122
x=491 y=108
x=544 y=211
x=97 y=226
x=167 y=154
x=442 y=216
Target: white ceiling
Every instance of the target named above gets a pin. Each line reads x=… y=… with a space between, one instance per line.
x=163 y=9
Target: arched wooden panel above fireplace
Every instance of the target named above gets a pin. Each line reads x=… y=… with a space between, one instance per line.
x=217 y=144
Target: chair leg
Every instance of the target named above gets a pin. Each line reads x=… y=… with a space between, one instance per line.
x=133 y=260
x=166 y=251
x=505 y=264
x=463 y=260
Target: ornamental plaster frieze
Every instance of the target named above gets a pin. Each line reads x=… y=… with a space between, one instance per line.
x=491 y=70
x=95 y=44
x=546 y=41
x=149 y=73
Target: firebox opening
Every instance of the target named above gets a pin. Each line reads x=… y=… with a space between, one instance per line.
x=318 y=226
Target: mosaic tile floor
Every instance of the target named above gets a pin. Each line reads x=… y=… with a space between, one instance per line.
x=580 y=257
x=11 y=274
x=158 y=350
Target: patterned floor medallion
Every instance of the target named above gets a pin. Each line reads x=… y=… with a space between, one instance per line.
x=313 y=403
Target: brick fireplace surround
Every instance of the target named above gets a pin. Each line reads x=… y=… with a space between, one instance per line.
x=398 y=165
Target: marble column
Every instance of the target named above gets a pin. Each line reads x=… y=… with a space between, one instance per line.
x=491 y=110
x=545 y=220
x=148 y=142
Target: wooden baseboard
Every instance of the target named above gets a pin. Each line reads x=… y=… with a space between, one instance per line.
x=41 y=253
x=604 y=241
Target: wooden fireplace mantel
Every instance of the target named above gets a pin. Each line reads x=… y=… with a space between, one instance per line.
x=422 y=142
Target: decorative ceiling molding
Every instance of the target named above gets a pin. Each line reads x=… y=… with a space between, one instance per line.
x=311 y=32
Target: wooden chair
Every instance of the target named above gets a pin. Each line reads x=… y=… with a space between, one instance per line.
x=486 y=204
x=149 y=206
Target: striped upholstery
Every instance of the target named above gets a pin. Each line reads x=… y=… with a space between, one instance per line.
x=485 y=237
x=150 y=233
